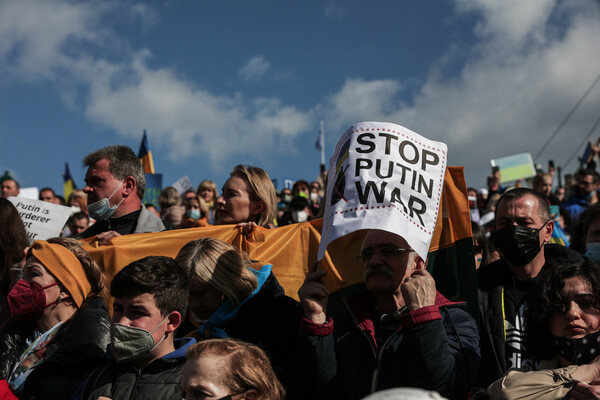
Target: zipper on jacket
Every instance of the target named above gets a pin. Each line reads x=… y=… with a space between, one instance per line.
x=376 y=357
x=378 y=365
x=138 y=376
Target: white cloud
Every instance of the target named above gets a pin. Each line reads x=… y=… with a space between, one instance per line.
x=509 y=21
x=509 y=97
x=359 y=100
x=254 y=69
x=192 y=122
x=530 y=64
x=33 y=35
x=44 y=40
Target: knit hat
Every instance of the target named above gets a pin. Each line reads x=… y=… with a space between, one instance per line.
x=65 y=267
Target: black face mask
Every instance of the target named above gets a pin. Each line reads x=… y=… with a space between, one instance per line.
x=578 y=351
x=519 y=244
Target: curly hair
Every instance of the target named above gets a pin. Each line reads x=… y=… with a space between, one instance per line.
x=248 y=367
x=547 y=300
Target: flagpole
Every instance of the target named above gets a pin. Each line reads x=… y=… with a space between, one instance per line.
x=322 y=133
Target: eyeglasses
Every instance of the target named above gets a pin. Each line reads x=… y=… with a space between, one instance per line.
x=386 y=252
x=585 y=183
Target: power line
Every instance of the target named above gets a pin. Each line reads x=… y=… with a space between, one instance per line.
x=564 y=121
x=584 y=140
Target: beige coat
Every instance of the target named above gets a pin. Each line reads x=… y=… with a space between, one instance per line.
x=550 y=382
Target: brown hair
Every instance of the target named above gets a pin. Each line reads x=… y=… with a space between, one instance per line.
x=13 y=240
x=168 y=197
x=248 y=367
x=201 y=204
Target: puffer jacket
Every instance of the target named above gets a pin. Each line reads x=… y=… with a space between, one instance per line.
x=435 y=348
x=124 y=381
x=82 y=347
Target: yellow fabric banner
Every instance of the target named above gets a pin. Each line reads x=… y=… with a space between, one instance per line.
x=290 y=249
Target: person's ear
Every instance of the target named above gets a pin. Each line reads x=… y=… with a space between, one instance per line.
x=548 y=229
x=250 y=395
x=63 y=295
x=174 y=321
x=129 y=186
x=419 y=263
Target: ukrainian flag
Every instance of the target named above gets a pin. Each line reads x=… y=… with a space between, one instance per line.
x=292 y=249
x=145 y=155
x=69 y=184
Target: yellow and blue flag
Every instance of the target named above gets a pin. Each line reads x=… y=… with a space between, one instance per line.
x=145 y=155
x=69 y=183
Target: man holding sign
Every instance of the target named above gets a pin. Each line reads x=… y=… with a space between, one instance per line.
x=115 y=186
x=400 y=331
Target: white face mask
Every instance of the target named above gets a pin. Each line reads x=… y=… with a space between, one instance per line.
x=300 y=216
x=101 y=209
x=314 y=197
x=592 y=251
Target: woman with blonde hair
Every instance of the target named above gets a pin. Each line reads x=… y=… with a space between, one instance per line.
x=228 y=368
x=78 y=198
x=171 y=209
x=248 y=196
x=207 y=190
x=60 y=324
x=229 y=298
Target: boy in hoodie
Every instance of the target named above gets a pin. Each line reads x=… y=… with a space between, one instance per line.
x=150 y=300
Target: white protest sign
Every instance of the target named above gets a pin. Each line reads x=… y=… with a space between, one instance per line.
x=183 y=185
x=29 y=193
x=42 y=220
x=384 y=176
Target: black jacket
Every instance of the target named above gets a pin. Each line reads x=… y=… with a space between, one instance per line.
x=491 y=280
x=436 y=348
x=270 y=320
x=82 y=347
x=124 y=381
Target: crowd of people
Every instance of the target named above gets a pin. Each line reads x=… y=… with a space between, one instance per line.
x=211 y=323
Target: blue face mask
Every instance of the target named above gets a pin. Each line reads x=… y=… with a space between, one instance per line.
x=592 y=251
x=101 y=209
x=193 y=214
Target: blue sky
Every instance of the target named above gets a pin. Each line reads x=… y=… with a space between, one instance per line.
x=219 y=83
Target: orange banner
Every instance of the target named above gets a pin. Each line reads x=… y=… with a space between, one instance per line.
x=290 y=249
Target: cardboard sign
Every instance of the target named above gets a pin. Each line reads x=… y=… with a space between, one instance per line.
x=42 y=220
x=384 y=176
x=515 y=167
x=183 y=185
x=153 y=188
